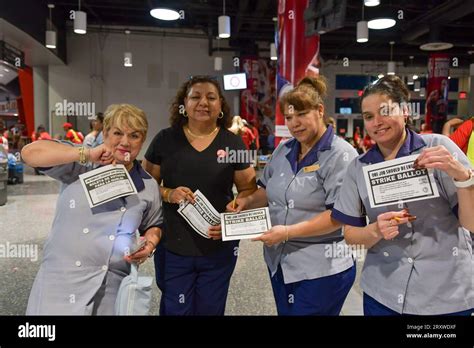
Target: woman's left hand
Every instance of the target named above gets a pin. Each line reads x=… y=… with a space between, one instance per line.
x=141 y=255
x=275 y=235
x=215 y=232
x=439 y=157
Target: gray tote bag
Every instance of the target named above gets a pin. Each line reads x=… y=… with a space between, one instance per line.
x=134 y=295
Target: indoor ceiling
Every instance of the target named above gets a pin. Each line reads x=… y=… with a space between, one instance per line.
x=252 y=20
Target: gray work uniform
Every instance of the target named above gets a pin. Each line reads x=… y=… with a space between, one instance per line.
x=298 y=192
x=83 y=263
x=427 y=269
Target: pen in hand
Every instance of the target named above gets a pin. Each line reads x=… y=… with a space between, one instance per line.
x=233 y=203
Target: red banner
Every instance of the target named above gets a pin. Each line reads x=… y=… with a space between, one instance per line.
x=259 y=97
x=298 y=55
x=437 y=92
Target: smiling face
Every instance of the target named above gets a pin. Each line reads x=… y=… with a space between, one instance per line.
x=305 y=125
x=203 y=103
x=125 y=142
x=384 y=120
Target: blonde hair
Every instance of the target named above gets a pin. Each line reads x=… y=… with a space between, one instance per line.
x=307 y=95
x=126 y=114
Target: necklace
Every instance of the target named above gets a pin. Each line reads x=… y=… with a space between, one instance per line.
x=201 y=136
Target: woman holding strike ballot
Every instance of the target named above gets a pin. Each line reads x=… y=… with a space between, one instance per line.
x=419 y=258
x=87 y=253
x=193 y=271
x=300 y=185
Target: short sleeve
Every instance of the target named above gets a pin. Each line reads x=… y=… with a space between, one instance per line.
x=153 y=216
x=155 y=150
x=334 y=175
x=269 y=167
x=66 y=173
x=239 y=146
x=446 y=184
x=348 y=208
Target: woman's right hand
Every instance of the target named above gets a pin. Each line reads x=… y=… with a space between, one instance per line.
x=387 y=223
x=237 y=205
x=101 y=155
x=180 y=195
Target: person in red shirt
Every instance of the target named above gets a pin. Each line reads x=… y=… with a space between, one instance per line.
x=72 y=135
x=462 y=134
x=40 y=134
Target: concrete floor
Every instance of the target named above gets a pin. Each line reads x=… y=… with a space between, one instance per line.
x=27 y=218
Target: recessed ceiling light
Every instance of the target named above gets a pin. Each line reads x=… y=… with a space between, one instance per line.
x=165 y=14
x=381 y=23
x=380 y=76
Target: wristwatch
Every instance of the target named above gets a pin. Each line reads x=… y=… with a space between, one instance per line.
x=467 y=183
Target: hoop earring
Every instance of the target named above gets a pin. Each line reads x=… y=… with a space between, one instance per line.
x=221 y=115
x=185 y=114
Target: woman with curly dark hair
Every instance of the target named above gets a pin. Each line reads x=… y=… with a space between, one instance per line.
x=192 y=271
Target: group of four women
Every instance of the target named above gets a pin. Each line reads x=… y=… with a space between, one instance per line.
x=316 y=194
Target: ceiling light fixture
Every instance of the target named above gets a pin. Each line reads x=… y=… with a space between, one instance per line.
x=422 y=91
x=435 y=41
x=218 y=59
x=381 y=23
x=410 y=77
x=165 y=14
x=80 y=21
x=362 y=29
x=127 y=56
x=50 y=33
x=417 y=86
x=224 y=24
x=380 y=76
x=273 y=52
x=391 y=63
x=415 y=77
x=371 y=3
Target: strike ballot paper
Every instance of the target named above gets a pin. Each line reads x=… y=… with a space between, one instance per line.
x=200 y=215
x=396 y=181
x=107 y=183
x=246 y=224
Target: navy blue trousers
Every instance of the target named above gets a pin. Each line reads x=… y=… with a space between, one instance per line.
x=321 y=296
x=372 y=307
x=194 y=285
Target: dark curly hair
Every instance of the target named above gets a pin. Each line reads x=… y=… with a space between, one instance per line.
x=178 y=120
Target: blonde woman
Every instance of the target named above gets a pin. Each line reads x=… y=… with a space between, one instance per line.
x=85 y=255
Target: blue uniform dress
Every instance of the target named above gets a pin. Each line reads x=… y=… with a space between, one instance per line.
x=83 y=263
x=427 y=269
x=308 y=277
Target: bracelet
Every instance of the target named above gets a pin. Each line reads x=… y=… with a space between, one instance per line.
x=165 y=191
x=82 y=156
x=154 y=248
x=169 y=195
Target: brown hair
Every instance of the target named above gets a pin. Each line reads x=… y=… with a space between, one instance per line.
x=391 y=86
x=178 y=120
x=307 y=95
